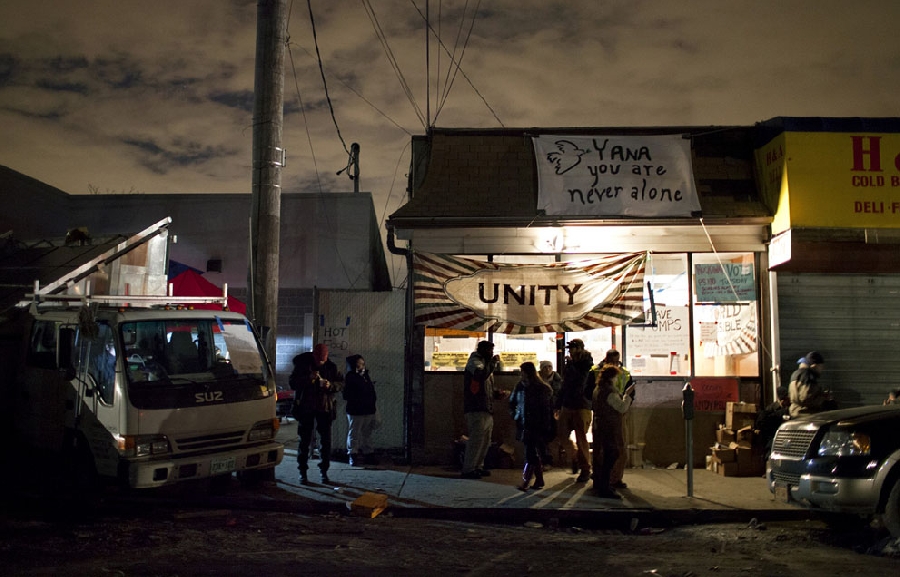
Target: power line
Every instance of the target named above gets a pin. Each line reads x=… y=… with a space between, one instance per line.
x=459 y=30
x=459 y=67
x=379 y=33
x=287 y=42
x=312 y=21
x=388 y=199
x=357 y=93
x=305 y=121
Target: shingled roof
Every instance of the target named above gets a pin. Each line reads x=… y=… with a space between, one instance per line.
x=489 y=176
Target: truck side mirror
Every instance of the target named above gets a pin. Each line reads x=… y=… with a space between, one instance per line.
x=66 y=350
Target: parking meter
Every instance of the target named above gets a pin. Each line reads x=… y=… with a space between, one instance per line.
x=687 y=408
x=687 y=402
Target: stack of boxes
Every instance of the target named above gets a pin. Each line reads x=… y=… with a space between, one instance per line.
x=735 y=454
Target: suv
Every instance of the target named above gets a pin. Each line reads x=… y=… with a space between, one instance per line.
x=845 y=461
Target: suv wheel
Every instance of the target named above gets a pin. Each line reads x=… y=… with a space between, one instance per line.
x=892 y=510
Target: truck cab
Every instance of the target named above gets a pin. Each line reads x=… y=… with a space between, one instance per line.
x=146 y=395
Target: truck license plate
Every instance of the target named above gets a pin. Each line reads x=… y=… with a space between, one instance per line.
x=221 y=465
x=783 y=493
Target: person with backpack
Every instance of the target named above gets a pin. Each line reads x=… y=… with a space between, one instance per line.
x=806 y=394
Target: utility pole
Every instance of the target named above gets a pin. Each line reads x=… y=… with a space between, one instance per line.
x=268 y=159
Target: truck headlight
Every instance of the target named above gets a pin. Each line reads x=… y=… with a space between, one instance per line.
x=143 y=445
x=844 y=444
x=263 y=430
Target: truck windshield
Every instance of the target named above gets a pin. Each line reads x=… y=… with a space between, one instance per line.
x=196 y=350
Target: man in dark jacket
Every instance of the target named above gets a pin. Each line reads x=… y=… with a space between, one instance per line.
x=574 y=405
x=314 y=406
x=478 y=407
x=359 y=392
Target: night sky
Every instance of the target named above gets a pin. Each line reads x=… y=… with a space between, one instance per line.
x=156 y=97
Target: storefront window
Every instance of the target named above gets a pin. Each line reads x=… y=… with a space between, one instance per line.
x=705 y=323
x=726 y=335
x=663 y=349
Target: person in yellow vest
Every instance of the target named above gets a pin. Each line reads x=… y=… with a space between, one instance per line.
x=621 y=383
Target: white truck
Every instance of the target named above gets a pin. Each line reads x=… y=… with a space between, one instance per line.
x=145 y=390
x=125 y=381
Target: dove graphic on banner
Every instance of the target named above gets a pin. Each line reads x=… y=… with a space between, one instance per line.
x=568 y=157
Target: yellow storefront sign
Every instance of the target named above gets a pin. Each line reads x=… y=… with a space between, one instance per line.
x=831 y=180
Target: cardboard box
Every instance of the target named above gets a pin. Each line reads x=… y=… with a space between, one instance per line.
x=728 y=470
x=724 y=454
x=725 y=436
x=739 y=415
x=744 y=437
x=744 y=459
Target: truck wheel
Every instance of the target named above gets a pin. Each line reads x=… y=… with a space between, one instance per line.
x=82 y=484
x=892 y=510
x=79 y=466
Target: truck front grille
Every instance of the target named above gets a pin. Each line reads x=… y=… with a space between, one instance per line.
x=786 y=478
x=792 y=443
x=209 y=441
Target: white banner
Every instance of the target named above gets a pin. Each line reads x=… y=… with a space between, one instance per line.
x=459 y=293
x=644 y=176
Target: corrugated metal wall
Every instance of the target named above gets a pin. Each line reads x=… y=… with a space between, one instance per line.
x=376 y=331
x=853 y=320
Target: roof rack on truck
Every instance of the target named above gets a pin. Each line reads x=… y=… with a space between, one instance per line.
x=164 y=302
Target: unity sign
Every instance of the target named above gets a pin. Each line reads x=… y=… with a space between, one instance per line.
x=466 y=294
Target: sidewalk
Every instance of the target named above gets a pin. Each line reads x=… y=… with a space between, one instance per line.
x=652 y=496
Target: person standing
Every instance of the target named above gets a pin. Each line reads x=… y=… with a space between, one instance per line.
x=314 y=406
x=328 y=370
x=574 y=405
x=478 y=397
x=359 y=392
x=554 y=451
x=623 y=380
x=806 y=394
x=531 y=408
x=608 y=407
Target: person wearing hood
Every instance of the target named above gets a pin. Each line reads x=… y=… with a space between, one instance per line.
x=806 y=394
x=362 y=417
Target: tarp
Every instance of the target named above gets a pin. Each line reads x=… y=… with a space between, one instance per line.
x=459 y=293
x=191 y=283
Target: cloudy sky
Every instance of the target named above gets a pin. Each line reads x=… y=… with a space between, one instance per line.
x=120 y=96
